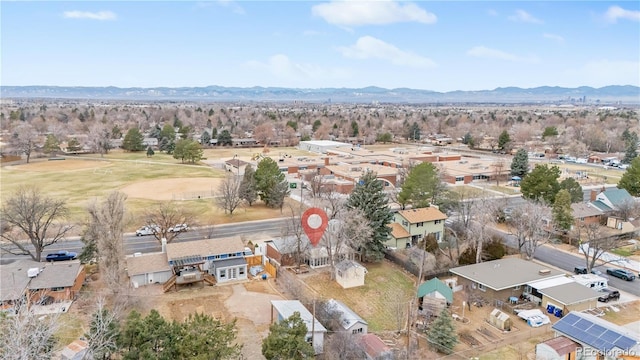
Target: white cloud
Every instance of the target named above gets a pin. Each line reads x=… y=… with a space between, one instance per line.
x=100 y=15
x=487 y=53
x=616 y=12
x=232 y=5
x=523 y=16
x=289 y=72
x=357 y=13
x=554 y=37
x=598 y=73
x=368 y=47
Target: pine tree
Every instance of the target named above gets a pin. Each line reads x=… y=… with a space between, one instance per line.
x=541 y=184
x=520 y=164
x=150 y=152
x=631 y=178
x=271 y=183
x=73 y=145
x=562 y=212
x=368 y=196
x=133 y=141
x=247 y=190
x=503 y=140
x=421 y=186
x=630 y=139
x=574 y=189
x=442 y=333
x=51 y=145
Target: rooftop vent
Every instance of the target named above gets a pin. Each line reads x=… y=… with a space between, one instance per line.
x=33 y=272
x=544 y=272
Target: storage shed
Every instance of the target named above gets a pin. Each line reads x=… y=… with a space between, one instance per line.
x=500 y=320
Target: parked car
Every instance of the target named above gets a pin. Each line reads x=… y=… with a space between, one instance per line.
x=147 y=230
x=179 y=228
x=61 y=256
x=622 y=274
x=580 y=270
x=609 y=295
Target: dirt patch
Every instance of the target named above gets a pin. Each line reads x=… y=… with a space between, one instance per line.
x=169 y=189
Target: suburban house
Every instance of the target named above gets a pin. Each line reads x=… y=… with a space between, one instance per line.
x=349 y=321
x=315 y=331
x=77 y=350
x=610 y=199
x=375 y=348
x=410 y=226
x=285 y=249
x=561 y=295
x=350 y=273
x=434 y=289
x=585 y=214
x=31 y=282
x=61 y=281
x=502 y=279
x=598 y=339
x=222 y=258
x=144 y=269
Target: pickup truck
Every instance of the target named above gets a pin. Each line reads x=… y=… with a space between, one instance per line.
x=622 y=274
x=61 y=256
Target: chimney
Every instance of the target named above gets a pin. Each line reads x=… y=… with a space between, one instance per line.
x=594 y=193
x=326 y=161
x=164 y=245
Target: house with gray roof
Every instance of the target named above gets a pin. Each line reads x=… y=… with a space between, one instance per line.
x=145 y=269
x=569 y=297
x=14 y=280
x=349 y=321
x=284 y=309
x=586 y=213
x=60 y=281
x=503 y=278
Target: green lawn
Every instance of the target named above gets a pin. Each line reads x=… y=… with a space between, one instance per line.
x=383 y=300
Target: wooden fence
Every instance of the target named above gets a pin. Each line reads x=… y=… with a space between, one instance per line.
x=271 y=270
x=253 y=260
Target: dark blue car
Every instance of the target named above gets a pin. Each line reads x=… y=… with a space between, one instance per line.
x=61 y=256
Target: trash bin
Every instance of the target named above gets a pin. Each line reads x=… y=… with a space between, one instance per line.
x=264 y=276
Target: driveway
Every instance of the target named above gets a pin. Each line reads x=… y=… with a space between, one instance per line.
x=253 y=312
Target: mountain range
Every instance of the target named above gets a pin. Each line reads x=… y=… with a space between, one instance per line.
x=615 y=94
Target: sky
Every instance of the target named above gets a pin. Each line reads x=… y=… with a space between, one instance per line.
x=431 y=45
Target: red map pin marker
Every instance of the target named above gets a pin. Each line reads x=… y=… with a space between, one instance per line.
x=314 y=223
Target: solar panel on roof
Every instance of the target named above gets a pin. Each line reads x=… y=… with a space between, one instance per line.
x=583 y=324
x=596 y=330
x=570 y=319
x=625 y=343
x=610 y=336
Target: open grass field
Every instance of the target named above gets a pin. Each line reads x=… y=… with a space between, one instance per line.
x=383 y=300
x=146 y=181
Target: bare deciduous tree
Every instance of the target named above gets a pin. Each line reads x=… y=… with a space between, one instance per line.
x=228 y=195
x=346 y=232
x=527 y=226
x=165 y=216
x=594 y=244
x=105 y=227
x=28 y=212
x=103 y=329
x=27 y=335
x=295 y=230
x=342 y=345
x=98 y=139
x=24 y=139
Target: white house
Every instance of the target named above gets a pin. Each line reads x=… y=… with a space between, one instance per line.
x=350 y=274
x=315 y=331
x=349 y=320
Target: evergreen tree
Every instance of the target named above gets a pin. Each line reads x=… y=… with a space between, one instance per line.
x=354 y=128
x=420 y=187
x=503 y=140
x=631 y=178
x=541 y=184
x=270 y=182
x=630 y=139
x=287 y=340
x=188 y=150
x=204 y=138
x=203 y=337
x=51 y=145
x=116 y=133
x=467 y=139
x=561 y=210
x=549 y=131
x=520 y=163
x=150 y=152
x=368 y=196
x=167 y=139
x=413 y=132
x=574 y=189
x=442 y=333
x=133 y=141
x=224 y=138
x=247 y=190
x=73 y=145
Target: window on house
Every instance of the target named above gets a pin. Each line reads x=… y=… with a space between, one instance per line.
x=357 y=331
x=405 y=223
x=241 y=270
x=482 y=287
x=57 y=289
x=517 y=287
x=437 y=221
x=420 y=224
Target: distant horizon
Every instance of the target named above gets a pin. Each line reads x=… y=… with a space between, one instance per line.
x=439 y=46
x=318 y=88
